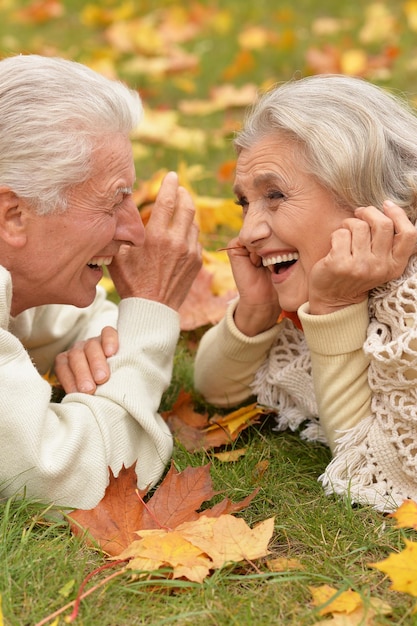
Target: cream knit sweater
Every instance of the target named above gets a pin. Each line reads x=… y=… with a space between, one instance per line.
x=356 y=369
x=61 y=453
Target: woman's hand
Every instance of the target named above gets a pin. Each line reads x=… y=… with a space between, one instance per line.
x=258 y=307
x=84 y=365
x=369 y=249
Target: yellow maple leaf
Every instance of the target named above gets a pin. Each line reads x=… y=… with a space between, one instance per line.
x=283 y=564
x=161 y=548
x=348 y=607
x=228 y=539
x=194 y=548
x=230 y=456
x=406 y=515
x=401 y=568
x=234 y=420
x=344 y=602
x=362 y=616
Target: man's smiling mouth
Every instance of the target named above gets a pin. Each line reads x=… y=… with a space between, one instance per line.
x=98 y=261
x=281 y=262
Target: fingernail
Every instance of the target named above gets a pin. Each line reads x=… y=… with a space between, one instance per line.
x=87 y=387
x=100 y=375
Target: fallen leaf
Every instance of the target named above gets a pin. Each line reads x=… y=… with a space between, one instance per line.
x=344 y=602
x=259 y=471
x=406 y=515
x=161 y=548
x=348 y=608
x=401 y=568
x=354 y=62
x=363 y=616
x=114 y=522
x=39 y=12
x=230 y=456
x=195 y=548
x=195 y=433
x=221 y=98
x=201 y=306
x=283 y=564
x=228 y=539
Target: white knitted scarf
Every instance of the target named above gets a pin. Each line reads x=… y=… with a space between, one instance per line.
x=375 y=462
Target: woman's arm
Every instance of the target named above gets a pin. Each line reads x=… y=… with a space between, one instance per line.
x=227 y=360
x=339 y=367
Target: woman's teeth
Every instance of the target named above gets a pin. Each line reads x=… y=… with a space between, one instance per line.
x=280 y=258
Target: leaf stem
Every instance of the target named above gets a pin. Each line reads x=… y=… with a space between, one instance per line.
x=80 y=596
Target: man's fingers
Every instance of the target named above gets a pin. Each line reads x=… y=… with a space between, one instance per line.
x=109 y=340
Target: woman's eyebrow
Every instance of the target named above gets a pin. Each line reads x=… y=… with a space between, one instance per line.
x=261 y=179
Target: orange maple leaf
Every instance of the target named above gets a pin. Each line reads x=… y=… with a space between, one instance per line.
x=113 y=524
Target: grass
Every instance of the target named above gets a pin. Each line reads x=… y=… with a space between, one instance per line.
x=41 y=564
x=334 y=542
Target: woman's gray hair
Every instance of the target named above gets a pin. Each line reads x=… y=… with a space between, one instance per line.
x=53 y=114
x=359 y=140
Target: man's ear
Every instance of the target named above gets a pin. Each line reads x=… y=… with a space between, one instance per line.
x=12 y=218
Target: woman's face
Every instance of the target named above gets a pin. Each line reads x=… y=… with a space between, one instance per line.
x=288 y=216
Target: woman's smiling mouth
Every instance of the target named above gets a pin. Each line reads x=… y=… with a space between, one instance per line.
x=280 y=262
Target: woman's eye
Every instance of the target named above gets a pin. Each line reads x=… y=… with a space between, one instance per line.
x=241 y=202
x=275 y=195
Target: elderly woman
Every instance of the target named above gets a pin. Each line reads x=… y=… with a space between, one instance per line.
x=66 y=210
x=326 y=176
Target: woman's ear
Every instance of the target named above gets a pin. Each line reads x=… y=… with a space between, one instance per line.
x=12 y=218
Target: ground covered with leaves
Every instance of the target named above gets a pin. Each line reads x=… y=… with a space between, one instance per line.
x=197 y=66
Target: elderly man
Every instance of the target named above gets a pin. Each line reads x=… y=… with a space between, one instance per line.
x=66 y=209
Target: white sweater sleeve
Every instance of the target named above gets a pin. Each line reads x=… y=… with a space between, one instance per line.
x=227 y=360
x=339 y=367
x=47 y=330
x=61 y=453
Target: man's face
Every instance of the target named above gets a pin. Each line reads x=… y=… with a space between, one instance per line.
x=62 y=260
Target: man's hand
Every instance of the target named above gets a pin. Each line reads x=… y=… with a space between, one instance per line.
x=165 y=265
x=84 y=365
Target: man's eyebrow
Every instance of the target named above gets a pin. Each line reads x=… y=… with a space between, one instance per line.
x=124 y=190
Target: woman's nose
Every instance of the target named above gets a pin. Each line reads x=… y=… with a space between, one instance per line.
x=255 y=227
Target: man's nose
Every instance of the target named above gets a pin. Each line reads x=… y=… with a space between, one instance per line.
x=130 y=228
